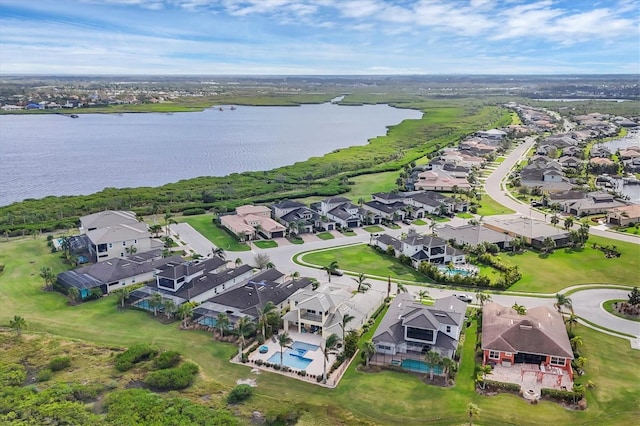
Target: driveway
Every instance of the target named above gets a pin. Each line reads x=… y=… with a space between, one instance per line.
x=192 y=238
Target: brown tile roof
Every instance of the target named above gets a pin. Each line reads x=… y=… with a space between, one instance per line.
x=541 y=331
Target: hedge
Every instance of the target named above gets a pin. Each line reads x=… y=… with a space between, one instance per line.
x=59 y=363
x=562 y=395
x=173 y=378
x=510 y=387
x=167 y=360
x=239 y=394
x=134 y=354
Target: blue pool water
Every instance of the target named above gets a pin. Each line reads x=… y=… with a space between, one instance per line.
x=208 y=321
x=445 y=271
x=304 y=346
x=419 y=366
x=291 y=358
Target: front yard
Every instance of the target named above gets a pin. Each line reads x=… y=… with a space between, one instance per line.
x=218 y=236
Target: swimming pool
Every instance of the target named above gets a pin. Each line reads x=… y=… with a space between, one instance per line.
x=304 y=346
x=291 y=358
x=419 y=366
x=444 y=270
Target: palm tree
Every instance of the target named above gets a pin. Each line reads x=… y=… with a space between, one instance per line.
x=155 y=301
x=548 y=244
x=433 y=359
x=520 y=309
x=295 y=276
x=167 y=221
x=155 y=229
x=48 y=276
x=238 y=262
x=363 y=285
x=331 y=268
x=576 y=342
x=483 y=298
x=270 y=265
x=284 y=340
x=346 y=318
x=185 y=312
x=401 y=288
x=169 y=308
x=265 y=315
x=222 y=322
x=568 y=223
x=368 y=350
x=244 y=327
x=423 y=294
x=73 y=294
x=563 y=301
x=447 y=365
x=472 y=411
x=18 y=323
x=131 y=250
x=218 y=252
x=122 y=294
x=330 y=344
x=483 y=372
x=571 y=321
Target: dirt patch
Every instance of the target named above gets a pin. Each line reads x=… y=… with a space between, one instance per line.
x=250 y=382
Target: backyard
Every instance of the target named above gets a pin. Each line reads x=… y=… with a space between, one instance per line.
x=361 y=398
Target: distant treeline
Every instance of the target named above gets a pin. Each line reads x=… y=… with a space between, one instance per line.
x=444 y=123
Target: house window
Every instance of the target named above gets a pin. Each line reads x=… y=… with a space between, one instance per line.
x=124 y=243
x=384 y=347
x=135 y=241
x=420 y=334
x=110 y=245
x=494 y=354
x=448 y=329
x=560 y=362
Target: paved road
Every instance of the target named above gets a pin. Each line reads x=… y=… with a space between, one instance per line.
x=493 y=186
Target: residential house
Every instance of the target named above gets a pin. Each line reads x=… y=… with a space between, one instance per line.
x=569 y=161
x=199 y=280
x=624 y=216
x=439 y=180
x=492 y=134
x=323 y=310
x=250 y=220
x=535 y=342
x=113 y=274
x=533 y=231
x=601 y=151
x=421 y=248
x=629 y=153
x=339 y=211
x=593 y=203
x=376 y=211
x=410 y=329
x=435 y=203
x=473 y=235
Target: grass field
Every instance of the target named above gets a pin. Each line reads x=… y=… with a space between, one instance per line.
x=373 y=228
x=490 y=207
x=221 y=238
x=325 y=235
x=265 y=244
x=567 y=267
x=385 y=398
x=365 y=185
x=362 y=258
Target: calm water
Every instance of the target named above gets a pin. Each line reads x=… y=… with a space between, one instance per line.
x=632 y=138
x=44 y=155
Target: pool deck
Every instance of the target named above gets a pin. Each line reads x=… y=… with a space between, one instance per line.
x=529 y=376
x=316 y=357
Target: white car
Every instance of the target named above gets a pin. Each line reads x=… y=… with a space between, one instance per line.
x=463 y=297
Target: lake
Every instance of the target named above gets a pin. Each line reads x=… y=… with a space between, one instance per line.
x=43 y=155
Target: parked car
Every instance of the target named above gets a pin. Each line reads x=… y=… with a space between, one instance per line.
x=464 y=297
x=336 y=272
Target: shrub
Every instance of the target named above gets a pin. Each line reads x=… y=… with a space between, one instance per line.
x=562 y=395
x=173 y=378
x=44 y=375
x=239 y=393
x=509 y=387
x=167 y=359
x=193 y=212
x=12 y=374
x=59 y=363
x=134 y=354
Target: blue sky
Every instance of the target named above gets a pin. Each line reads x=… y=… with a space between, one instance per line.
x=319 y=37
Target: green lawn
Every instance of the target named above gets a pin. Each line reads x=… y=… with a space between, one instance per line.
x=365 y=185
x=362 y=258
x=490 y=207
x=373 y=228
x=567 y=267
x=464 y=215
x=608 y=306
x=221 y=238
x=265 y=244
x=325 y=236
x=349 y=233
x=361 y=398
x=419 y=222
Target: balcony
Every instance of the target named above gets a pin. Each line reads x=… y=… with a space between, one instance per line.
x=311 y=317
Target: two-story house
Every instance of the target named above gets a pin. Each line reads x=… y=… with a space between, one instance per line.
x=250 y=220
x=410 y=329
x=339 y=211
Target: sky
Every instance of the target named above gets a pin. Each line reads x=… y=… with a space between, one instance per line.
x=319 y=37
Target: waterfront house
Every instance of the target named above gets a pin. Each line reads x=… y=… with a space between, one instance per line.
x=250 y=220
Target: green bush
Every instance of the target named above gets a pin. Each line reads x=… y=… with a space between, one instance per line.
x=60 y=363
x=134 y=354
x=44 y=375
x=562 y=395
x=193 y=212
x=509 y=387
x=167 y=359
x=239 y=393
x=12 y=374
x=173 y=378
